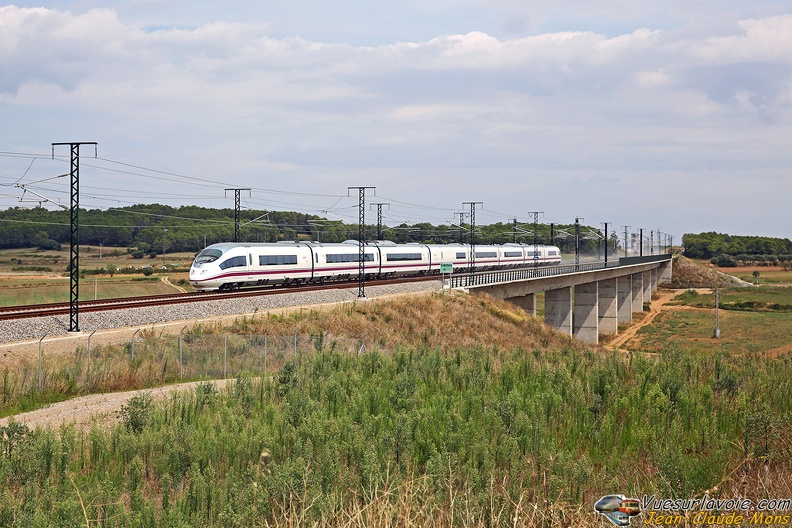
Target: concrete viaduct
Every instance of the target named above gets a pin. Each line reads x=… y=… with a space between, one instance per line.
x=583 y=301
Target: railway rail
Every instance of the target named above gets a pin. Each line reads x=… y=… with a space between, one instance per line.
x=41 y=310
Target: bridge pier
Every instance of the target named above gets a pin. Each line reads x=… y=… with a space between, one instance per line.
x=558 y=309
x=604 y=296
x=608 y=306
x=586 y=320
x=665 y=272
x=624 y=297
x=526 y=302
x=637 y=292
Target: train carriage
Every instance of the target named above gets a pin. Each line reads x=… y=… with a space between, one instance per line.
x=229 y=266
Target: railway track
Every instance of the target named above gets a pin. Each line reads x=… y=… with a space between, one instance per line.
x=30 y=311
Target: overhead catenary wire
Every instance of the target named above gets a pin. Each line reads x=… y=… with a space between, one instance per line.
x=103 y=197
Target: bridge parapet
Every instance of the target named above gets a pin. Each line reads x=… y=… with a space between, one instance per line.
x=604 y=294
x=504 y=276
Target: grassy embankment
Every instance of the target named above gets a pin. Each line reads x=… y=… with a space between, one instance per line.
x=462 y=412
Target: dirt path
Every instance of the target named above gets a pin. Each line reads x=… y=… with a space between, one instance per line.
x=95 y=408
x=656 y=307
x=165 y=279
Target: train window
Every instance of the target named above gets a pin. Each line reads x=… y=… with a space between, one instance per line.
x=509 y=254
x=552 y=252
x=461 y=255
x=277 y=260
x=486 y=254
x=234 y=262
x=350 y=257
x=317 y=258
x=208 y=255
x=404 y=256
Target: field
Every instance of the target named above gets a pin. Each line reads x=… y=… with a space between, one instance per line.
x=30 y=276
x=773 y=275
x=752 y=320
x=767 y=274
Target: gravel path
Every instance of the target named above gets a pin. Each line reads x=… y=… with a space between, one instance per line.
x=95 y=408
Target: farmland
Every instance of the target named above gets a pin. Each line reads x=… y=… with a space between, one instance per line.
x=31 y=276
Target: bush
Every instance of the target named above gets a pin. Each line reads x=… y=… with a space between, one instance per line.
x=138 y=254
x=50 y=245
x=137 y=413
x=726 y=261
x=148 y=270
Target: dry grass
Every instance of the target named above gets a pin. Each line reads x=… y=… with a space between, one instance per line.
x=688 y=274
x=446 y=322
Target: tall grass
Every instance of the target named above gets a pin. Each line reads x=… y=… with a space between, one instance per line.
x=475 y=436
x=459 y=411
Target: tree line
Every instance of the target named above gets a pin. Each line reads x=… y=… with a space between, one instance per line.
x=734 y=248
x=155 y=228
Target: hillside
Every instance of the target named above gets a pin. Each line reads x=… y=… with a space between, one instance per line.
x=460 y=411
x=155 y=229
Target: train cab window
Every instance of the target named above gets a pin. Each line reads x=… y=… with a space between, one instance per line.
x=510 y=254
x=234 y=262
x=208 y=255
x=461 y=255
x=348 y=257
x=486 y=254
x=277 y=260
x=404 y=256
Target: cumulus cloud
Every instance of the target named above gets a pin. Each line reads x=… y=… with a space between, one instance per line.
x=573 y=100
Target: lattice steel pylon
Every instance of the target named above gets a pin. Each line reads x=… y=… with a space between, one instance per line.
x=459 y=223
x=626 y=228
x=577 y=243
x=236 y=210
x=379 y=219
x=361 y=238
x=535 y=215
x=74 y=232
x=472 y=234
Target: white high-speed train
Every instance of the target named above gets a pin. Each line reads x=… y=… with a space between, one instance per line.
x=228 y=266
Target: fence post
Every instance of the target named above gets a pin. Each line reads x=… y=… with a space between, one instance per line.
x=225 y=353
x=265 y=352
x=40 y=365
x=362 y=348
x=181 y=363
x=88 y=374
x=133 y=343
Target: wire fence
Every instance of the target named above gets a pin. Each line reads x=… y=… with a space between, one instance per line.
x=149 y=359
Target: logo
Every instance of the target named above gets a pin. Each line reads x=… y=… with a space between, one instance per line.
x=618 y=509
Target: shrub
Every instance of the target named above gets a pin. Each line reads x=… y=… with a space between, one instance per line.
x=726 y=261
x=148 y=270
x=137 y=413
x=138 y=254
x=50 y=244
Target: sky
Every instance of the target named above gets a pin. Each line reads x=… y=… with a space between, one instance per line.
x=671 y=115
